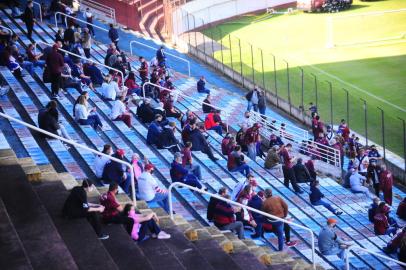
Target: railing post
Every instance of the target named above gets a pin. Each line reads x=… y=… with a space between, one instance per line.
x=252 y=65
x=331 y=102
x=275 y=78
x=288 y=84
x=348 y=106
x=231 y=54
x=263 y=72
x=365 y=120
x=383 y=132
x=242 y=75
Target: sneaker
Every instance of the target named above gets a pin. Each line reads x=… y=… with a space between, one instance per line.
x=163 y=235
x=103 y=237
x=291 y=243
x=154 y=236
x=338 y=212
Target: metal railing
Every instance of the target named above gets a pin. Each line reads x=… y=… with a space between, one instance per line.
x=81 y=57
x=8 y=29
x=166 y=53
x=77 y=19
x=244 y=207
x=71 y=142
x=347 y=259
x=39 y=8
x=99 y=8
x=177 y=92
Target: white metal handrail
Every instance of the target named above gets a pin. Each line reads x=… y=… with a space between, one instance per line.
x=166 y=53
x=8 y=29
x=177 y=92
x=244 y=207
x=40 y=10
x=98 y=7
x=71 y=142
x=81 y=57
x=77 y=19
x=290 y=129
x=347 y=259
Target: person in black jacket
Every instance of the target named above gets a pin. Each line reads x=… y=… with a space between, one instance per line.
x=206 y=105
x=161 y=57
x=199 y=142
x=213 y=202
x=113 y=35
x=301 y=173
x=29 y=19
x=48 y=120
x=167 y=138
x=115 y=172
x=145 y=112
x=77 y=206
x=256 y=203
x=316 y=198
x=69 y=36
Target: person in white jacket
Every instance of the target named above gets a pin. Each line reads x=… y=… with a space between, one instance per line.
x=107 y=89
x=356 y=183
x=84 y=116
x=119 y=112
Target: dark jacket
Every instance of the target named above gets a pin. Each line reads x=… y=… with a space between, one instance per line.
x=211 y=208
x=113 y=172
x=28 y=16
x=160 y=55
x=154 y=133
x=69 y=36
x=48 y=122
x=113 y=34
x=76 y=205
x=177 y=172
x=315 y=194
x=206 y=107
x=201 y=85
x=256 y=203
x=145 y=113
x=54 y=62
x=301 y=173
x=167 y=138
x=199 y=142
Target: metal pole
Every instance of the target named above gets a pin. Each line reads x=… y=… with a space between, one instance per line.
x=348 y=106
x=276 y=85
x=263 y=73
x=331 y=102
x=242 y=76
x=212 y=44
x=302 y=97
x=365 y=121
x=383 y=132
x=252 y=64
x=194 y=29
x=404 y=146
x=188 y=28
x=288 y=82
x=221 y=48
x=231 y=54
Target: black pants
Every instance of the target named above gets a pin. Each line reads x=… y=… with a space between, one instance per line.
x=94 y=220
x=377 y=189
x=289 y=175
x=91 y=30
x=30 y=27
x=72 y=84
x=148 y=226
x=55 y=83
x=126 y=221
x=116 y=43
x=207 y=150
x=87 y=52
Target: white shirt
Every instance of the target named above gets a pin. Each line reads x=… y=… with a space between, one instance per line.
x=117 y=109
x=237 y=189
x=99 y=164
x=146 y=187
x=81 y=112
x=355 y=180
x=107 y=90
x=116 y=88
x=364 y=164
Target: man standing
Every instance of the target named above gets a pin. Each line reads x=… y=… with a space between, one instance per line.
x=253 y=99
x=330 y=243
x=29 y=19
x=143 y=70
x=251 y=139
x=55 y=65
x=89 y=19
x=386 y=184
x=288 y=172
x=113 y=35
x=161 y=57
x=373 y=176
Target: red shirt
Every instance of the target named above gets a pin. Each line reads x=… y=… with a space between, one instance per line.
x=108 y=200
x=286 y=158
x=380 y=223
x=251 y=136
x=186 y=157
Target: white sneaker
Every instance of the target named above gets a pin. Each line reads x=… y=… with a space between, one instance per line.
x=163 y=235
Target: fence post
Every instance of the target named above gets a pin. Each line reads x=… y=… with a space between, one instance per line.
x=365 y=121
x=252 y=65
x=231 y=54
x=302 y=96
x=242 y=76
x=212 y=44
x=404 y=146
x=331 y=102
x=288 y=82
x=383 y=132
x=263 y=73
x=221 y=48
x=188 y=27
x=348 y=106
x=194 y=29
x=276 y=85
x=315 y=90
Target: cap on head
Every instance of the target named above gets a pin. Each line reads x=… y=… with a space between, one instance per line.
x=331 y=221
x=149 y=166
x=120 y=152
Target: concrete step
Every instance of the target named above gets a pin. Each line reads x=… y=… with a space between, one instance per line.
x=13 y=254
x=77 y=234
x=45 y=248
x=31 y=170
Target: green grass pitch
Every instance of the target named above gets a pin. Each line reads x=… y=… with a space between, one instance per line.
x=375 y=72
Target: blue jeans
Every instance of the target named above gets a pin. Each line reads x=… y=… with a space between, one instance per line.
x=205 y=90
x=162 y=200
x=192 y=180
x=92 y=120
x=252 y=151
x=340 y=252
x=262 y=110
x=39 y=63
x=217 y=129
x=28 y=66
x=277 y=228
x=126 y=184
x=253 y=106
x=244 y=169
x=325 y=204
x=194 y=169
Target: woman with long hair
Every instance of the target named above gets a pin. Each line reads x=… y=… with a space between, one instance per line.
x=86 y=116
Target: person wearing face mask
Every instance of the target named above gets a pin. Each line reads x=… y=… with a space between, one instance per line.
x=330 y=243
x=77 y=206
x=113 y=209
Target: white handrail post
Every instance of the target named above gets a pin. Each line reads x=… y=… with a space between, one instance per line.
x=77 y=145
x=242 y=206
x=347 y=259
x=8 y=29
x=40 y=11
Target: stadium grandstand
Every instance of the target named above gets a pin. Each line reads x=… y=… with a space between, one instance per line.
x=125 y=144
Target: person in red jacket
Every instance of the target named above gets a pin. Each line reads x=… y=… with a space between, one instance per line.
x=401 y=211
x=381 y=222
x=55 y=63
x=386 y=184
x=211 y=122
x=251 y=139
x=287 y=168
x=236 y=163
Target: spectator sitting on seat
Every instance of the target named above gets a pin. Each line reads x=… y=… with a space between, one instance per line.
x=154 y=131
x=250 y=180
x=187 y=117
x=48 y=120
x=181 y=174
x=84 y=116
x=272 y=160
x=330 y=243
x=144 y=224
x=401 y=211
x=149 y=190
x=301 y=173
x=77 y=206
x=310 y=167
x=170 y=109
x=244 y=215
x=119 y=112
x=275 y=140
x=107 y=89
x=382 y=224
x=33 y=57
x=201 y=86
x=138 y=165
x=113 y=210
x=395 y=243
x=68 y=81
x=213 y=202
x=211 y=123
x=143 y=70
x=363 y=162
x=131 y=84
x=145 y=112
x=224 y=144
x=187 y=161
x=167 y=138
x=256 y=202
x=357 y=182
x=224 y=217
x=373 y=153
x=236 y=162
x=199 y=142
x=20 y=59
x=316 y=198
x=77 y=71
x=159 y=109
x=90 y=69
x=101 y=161
x=115 y=172
x=276 y=206
x=373 y=176
x=206 y=105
